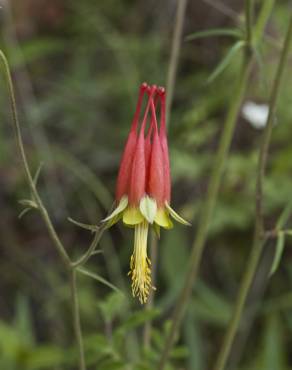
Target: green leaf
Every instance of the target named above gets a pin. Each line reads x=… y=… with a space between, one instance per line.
x=37 y=174
x=226 y=60
x=139 y=318
x=233 y=32
x=179 y=352
x=97 y=277
x=28 y=203
x=278 y=252
x=92 y=228
x=24 y=212
x=112 y=306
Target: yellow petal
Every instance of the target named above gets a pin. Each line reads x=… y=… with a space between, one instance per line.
x=162 y=219
x=176 y=216
x=148 y=208
x=119 y=209
x=132 y=216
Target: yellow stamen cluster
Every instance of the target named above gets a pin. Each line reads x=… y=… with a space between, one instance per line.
x=140 y=264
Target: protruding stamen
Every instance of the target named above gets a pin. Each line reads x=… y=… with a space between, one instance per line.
x=140 y=265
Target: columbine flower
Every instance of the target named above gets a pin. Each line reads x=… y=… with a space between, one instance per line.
x=143 y=186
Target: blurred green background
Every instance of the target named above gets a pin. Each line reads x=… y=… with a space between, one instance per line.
x=77 y=66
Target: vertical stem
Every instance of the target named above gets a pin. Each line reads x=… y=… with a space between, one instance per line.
x=207 y=212
x=258 y=243
x=76 y=318
x=149 y=305
x=43 y=211
x=175 y=49
x=248 y=21
x=57 y=242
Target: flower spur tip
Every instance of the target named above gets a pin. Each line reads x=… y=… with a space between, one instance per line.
x=144 y=86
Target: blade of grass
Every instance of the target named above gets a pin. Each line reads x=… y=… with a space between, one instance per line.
x=226 y=60
x=233 y=32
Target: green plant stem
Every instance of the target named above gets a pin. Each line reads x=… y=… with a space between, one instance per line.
x=57 y=242
x=150 y=301
x=207 y=211
x=76 y=319
x=175 y=49
x=43 y=211
x=83 y=259
x=258 y=243
x=248 y=21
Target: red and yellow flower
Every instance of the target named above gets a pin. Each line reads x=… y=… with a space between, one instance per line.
x=143 y=188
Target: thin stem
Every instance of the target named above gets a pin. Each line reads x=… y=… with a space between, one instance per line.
x=150 y=301
x=57 y=242
x=175 y=49
x=83 y=259
x=258 y=243
x=43 y=211
x=248 y=21
x=76 y=319
x=207 y=211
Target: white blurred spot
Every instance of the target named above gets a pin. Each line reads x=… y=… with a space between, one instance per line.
x=255 y=114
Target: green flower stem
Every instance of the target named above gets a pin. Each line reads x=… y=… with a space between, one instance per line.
x=248 y=21
x=207 y=212
x=174 y=56
x=150 y=301
x=258 y=242
x=76 y=319
x=43 y=211
x=57 y=242
x=83 y=259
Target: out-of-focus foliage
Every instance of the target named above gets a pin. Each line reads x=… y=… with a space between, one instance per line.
x=77 y=66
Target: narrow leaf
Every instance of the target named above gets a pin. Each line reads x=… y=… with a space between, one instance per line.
x=233 y=32
x=92 y=228
x=23 y=212
x=278 y=252
x=97 y=277
x=28 y=203
x=37 y=174
x=226 y=60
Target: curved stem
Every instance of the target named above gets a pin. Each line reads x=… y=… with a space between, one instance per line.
x=43 y=211
x=76 y=318
x=258 y=243
x=83 y=259
x=57 y=242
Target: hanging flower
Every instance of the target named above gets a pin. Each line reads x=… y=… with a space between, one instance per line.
x=143 y=188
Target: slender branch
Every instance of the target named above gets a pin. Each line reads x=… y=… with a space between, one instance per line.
x=83 y=259
x=258 y=243
x=43 y=211
x=175 y=49
x=57 y=242
x=76 y=319
x=207 y=211
x=248 y=21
